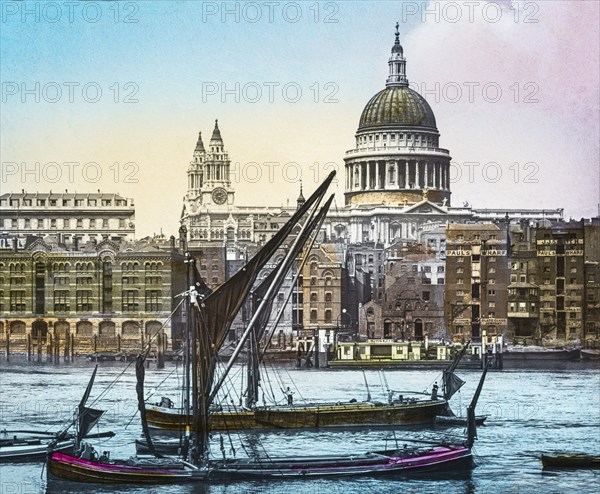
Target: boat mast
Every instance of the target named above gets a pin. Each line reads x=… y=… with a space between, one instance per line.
x=264 y=302
x=252 y=365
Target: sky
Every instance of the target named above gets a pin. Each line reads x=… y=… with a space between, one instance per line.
x=111 y=96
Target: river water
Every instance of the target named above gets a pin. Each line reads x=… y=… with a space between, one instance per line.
x=530 y=412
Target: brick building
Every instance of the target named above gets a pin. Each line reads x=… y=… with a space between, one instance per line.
x=476 y=281
x=95 y=296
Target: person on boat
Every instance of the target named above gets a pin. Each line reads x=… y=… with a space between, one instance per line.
x=166 y=402
x=290 y=396
x=434 y=391
x=88 y=452
x=390 y=396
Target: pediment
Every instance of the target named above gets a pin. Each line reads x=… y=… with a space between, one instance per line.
x=426 y=207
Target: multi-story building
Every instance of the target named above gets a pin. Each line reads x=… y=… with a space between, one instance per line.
x=476 y=281
x=591 y=305
x=77 y=217
x=323 y=284
x=408 y=306
x=104 y=296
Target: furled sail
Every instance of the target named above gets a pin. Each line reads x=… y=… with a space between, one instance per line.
x=216 y=312
x=87 y=417
x=451 y=382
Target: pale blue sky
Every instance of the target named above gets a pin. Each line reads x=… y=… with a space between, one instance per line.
x=172 y=51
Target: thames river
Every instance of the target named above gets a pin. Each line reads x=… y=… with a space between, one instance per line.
x=530 y=412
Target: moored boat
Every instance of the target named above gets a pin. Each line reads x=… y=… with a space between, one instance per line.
x=310 y=415
x=455 y=420
x=570 y=460
x=209 y=318
x=590 y=354
x=30 y=447
x=540 y=353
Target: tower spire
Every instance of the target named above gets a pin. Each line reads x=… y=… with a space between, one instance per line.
x=397 y=63
x=216 y=135
x=300 y=201
x=199 y=144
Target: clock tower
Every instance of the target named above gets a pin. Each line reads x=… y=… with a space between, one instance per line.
x=209 y=183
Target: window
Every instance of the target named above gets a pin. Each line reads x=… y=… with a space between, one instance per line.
x=40 y=223
x=41 y=202
x=460 y=259
x=313 y=296
x=129 y=301
x=78 y=202
x=425 y=296
x=327 y=315
x=83 y=302
x=492 y=281
x=491 y=270
x=121 y=223
x=79 y=223
x=313 y=315
x=27 y=223
x=328 y=297
x=459 y=281
x=104 y=223
x=492 y=292
x=440 y=269
x=492 y=304
x=61 y=301
x=153 y=299
x=427 y=269
x=460 y=270
x=92 y=223
x=460 y=293
x=17 y=300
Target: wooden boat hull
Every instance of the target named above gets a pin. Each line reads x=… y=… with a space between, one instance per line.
x=590 y=354
x=31 y=449
x=547 y=354
x=67 y=467
x=445 y=420
x=570 y=461
x=311 y=416
x=368 y=464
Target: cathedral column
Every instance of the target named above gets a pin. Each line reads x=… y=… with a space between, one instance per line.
x=426 y=174
x=406 y=182
x=397 y=174
x=368 y=182
x=382 y=176
x=417 y=183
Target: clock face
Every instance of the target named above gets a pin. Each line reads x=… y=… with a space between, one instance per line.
x=219 y=196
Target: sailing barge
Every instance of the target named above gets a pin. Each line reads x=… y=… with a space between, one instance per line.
x=311 y=415
x=209 y=319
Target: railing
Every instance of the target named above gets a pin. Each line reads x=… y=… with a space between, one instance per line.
x=407 y=149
